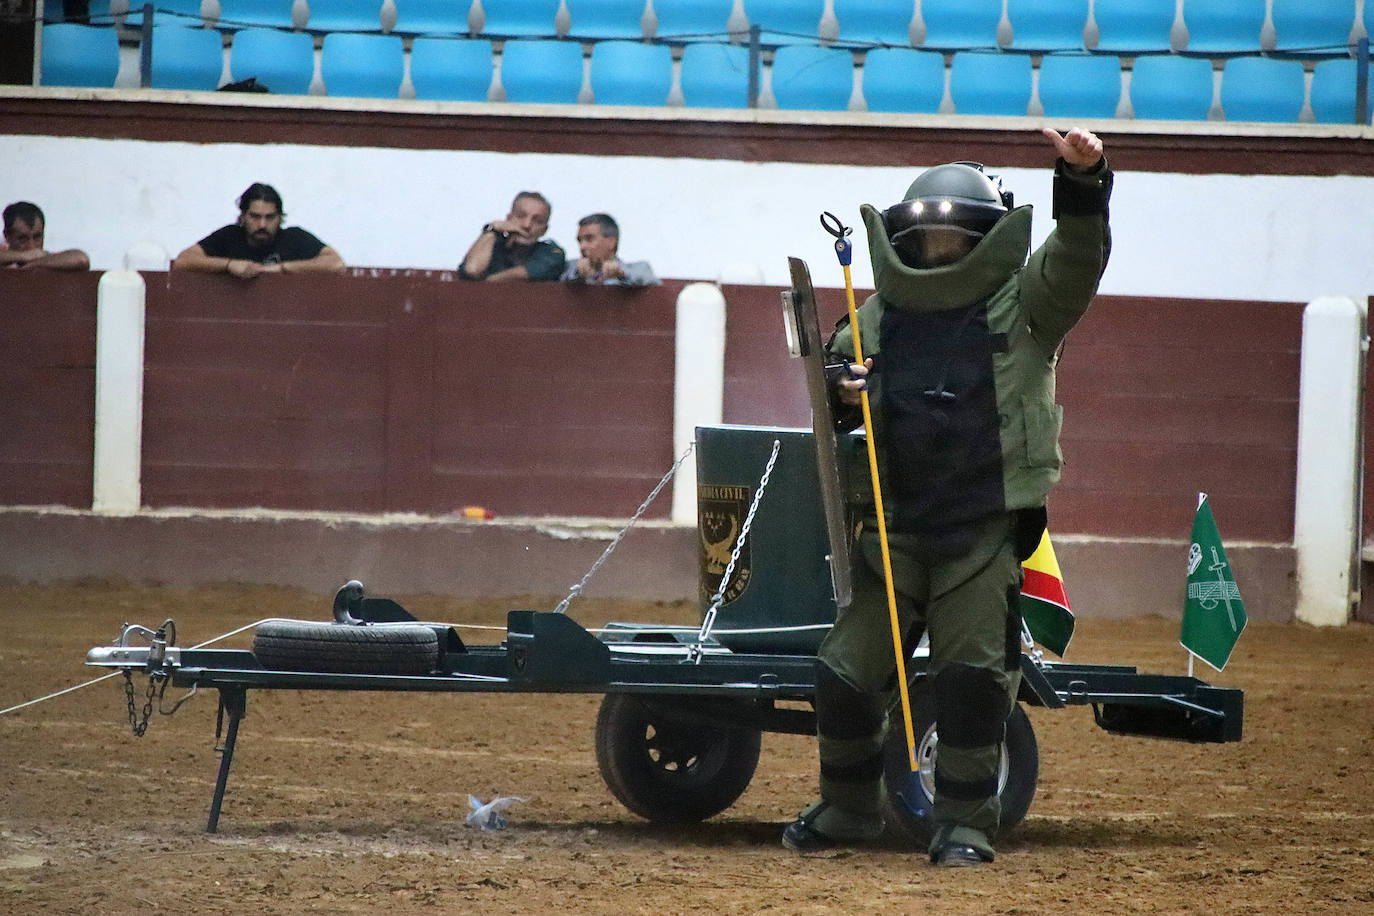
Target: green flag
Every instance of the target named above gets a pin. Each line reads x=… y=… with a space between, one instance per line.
x=1213 y=614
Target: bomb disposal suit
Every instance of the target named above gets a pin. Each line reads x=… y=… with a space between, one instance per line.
x=966 y=428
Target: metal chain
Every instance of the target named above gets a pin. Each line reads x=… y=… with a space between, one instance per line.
x=709 y=621
x=138 y=726
x=605 y=554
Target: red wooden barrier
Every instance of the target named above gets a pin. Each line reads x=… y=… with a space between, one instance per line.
x=416 y=392
x=47 y=387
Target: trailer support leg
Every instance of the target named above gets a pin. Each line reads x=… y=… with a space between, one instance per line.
x=234 y=701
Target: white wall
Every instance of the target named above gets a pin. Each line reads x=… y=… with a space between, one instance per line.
x=1276 y=238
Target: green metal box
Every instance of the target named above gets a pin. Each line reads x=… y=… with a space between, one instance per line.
x=781 y=581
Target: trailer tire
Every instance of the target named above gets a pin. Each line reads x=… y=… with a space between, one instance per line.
x=300 y=645
x=909 y=796
x=670 y=769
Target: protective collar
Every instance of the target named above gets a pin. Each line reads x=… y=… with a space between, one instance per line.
x=973 y=277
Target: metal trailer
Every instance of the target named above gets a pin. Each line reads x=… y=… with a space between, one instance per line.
x=678 y=733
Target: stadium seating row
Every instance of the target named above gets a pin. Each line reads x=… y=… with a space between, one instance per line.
x=1139 y=26
x=716 y=75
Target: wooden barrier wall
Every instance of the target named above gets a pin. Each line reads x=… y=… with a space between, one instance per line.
x=47 y=387
x=1162 y=398
x=406 y=394
x=380 y=392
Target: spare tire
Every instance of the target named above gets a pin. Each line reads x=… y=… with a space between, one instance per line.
x=301 y=645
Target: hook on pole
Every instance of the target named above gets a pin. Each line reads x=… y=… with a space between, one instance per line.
x=844 y=248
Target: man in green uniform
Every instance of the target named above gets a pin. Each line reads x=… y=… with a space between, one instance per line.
x=960 y=341
x=514 y=248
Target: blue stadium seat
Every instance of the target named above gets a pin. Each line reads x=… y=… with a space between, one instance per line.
x=812 y=78
x=1134 y=25
x=165 y=12
x=990 y=83
x=1080 y=85
x=79 y=55
x=284 y=62
x=541 y=71
x=631 y=73
x=903 y=79
x=875 y=22
x=1047 y=25
x=606 y=18
x=362 y=66
x=451 y=69
x=961 y=24
x=693 y=20
x=432 y=17
x=1333 y=91
x=242 y=14
x=715 y=76
x=186 y=58
x=520 y=18
x=1171 y=88
x=1261 y=89
x=786 y=22
x=1223 y=26
x=345 y=16
x=1312 y=25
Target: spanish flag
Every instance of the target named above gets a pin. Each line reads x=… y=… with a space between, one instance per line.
x=1044 y=603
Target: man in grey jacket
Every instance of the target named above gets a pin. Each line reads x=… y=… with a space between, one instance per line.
x=598 y=242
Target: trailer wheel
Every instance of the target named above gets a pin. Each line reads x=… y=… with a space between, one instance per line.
x=909 y=795
x=670 y=769
x=300 y=645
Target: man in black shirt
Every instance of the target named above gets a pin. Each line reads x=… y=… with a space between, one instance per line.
x=258 y=244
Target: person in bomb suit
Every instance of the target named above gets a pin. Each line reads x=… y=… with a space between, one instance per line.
x=961 y=340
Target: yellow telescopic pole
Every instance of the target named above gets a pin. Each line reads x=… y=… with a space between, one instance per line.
x=844 y=250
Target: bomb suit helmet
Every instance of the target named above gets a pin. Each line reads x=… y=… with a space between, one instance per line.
x=946 y=212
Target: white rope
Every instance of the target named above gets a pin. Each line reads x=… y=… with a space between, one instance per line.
x=103 y=677
x=744 y=631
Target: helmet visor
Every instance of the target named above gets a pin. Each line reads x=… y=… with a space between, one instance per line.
x=933 y=231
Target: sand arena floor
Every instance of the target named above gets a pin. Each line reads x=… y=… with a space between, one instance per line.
x=354 y=802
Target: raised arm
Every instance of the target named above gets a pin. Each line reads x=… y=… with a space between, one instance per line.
x=478 y=257
x=1062 y=275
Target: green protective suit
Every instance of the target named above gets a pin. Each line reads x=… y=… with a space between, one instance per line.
x=967 y=434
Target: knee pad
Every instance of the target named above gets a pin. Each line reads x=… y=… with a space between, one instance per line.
x=970 y=706
x=842 y=710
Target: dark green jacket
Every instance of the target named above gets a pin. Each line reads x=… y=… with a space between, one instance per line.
x=1030 y=305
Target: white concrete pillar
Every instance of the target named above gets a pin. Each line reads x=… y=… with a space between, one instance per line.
x=698 y=384
x=118 y=393
x=1326 y=515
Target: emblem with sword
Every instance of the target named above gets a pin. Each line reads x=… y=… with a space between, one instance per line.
x=1210 y=594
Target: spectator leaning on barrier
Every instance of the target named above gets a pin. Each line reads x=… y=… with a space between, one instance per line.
x=511 y=249
x=258 y=244
x=24 y=228
x=598 y=239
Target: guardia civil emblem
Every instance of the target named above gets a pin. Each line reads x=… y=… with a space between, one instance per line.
x=720 y=516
